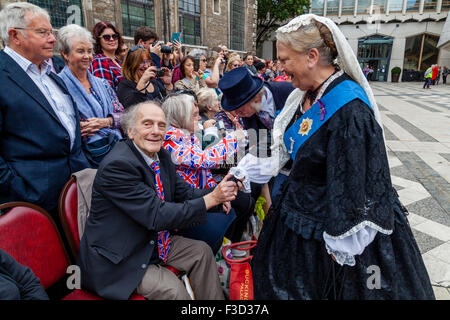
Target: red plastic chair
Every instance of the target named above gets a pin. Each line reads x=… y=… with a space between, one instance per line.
x=68 y=214
x=29 y=234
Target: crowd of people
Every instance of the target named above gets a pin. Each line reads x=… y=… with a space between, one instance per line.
x=185 y=143
x=433 y=75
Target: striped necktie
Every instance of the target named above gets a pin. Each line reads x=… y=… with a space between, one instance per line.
x=164 y=241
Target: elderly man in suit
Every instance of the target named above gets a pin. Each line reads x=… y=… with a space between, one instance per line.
x=138 y=201
x=40 y=138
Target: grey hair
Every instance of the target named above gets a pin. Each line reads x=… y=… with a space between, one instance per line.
x=197 y=53
x=314 y=35
x=67 y=35
x=178 y=110
x=261 y=93
x=129 y=118
x=206 y=97
x=13 y=16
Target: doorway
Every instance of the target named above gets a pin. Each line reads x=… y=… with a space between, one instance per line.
x=375 y=51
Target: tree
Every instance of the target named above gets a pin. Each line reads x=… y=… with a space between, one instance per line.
x=274 y=13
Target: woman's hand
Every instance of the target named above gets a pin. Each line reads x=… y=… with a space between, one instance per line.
x=167 y=78
x=209 y=123
x=150 y=73
x=92 y=125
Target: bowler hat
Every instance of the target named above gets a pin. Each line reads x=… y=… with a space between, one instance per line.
x=238 y=87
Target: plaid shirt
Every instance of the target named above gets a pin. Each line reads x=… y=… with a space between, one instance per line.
x=104 y=67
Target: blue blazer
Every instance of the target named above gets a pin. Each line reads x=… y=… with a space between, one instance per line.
x=35 y=156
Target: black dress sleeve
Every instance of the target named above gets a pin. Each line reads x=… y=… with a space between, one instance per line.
x=359 y=189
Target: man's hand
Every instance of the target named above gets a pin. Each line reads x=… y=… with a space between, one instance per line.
x=225 y=191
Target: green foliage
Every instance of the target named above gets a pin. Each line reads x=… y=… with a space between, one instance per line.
x=272 y=14
x=396 y=70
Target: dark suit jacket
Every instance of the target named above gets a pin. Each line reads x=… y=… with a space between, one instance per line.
x=120 y=238
x=18 y=282
x=35 y=156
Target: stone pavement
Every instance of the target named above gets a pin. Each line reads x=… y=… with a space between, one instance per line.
x=417 y=130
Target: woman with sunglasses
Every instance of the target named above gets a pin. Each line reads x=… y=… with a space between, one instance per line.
x=140 y=81
x=234 y=61
x=106 y=63
x=192 y=79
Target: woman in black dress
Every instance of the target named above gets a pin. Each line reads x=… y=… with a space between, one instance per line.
x=337 y=229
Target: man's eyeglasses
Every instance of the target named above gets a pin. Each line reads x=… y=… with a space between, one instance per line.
x=43 y=33
x=108 y=37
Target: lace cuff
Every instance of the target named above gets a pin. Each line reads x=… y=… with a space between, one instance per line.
x=344 y=249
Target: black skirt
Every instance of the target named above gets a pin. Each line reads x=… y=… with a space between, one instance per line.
x=288 y=266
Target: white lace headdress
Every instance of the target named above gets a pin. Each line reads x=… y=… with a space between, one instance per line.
x=347 y=62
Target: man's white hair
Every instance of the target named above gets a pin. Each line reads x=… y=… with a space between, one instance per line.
x=69 y=34
x=13 y=16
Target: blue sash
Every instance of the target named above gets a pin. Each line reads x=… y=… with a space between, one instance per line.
x=321 y=112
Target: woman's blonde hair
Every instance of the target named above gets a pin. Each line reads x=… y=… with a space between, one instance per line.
x=314 y=35
x=206 y=97
x=231 y=60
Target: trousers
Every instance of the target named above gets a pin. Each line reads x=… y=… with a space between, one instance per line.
x=191 y=256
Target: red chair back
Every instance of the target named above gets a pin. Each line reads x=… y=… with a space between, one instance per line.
x=68 y=214
x=29 y=234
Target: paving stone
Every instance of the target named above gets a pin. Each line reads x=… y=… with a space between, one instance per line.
x=430 y=209
x=425 y=241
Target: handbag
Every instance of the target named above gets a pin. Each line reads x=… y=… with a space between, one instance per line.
x=96 y=150
x=241 y=277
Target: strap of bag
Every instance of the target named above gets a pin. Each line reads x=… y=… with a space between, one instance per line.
x=251 y=243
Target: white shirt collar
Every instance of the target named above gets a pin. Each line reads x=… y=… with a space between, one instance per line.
x=147 y=159
x=24 y=63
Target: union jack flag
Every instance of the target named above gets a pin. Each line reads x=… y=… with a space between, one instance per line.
x=192 y=162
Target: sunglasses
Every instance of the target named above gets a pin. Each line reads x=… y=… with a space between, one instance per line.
x=203 y=60
x=108 y=37
x=235 y=65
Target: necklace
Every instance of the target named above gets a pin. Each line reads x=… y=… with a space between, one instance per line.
x=312 y=96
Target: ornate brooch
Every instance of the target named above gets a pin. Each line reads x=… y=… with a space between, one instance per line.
x=322 y=111
x=305 y=126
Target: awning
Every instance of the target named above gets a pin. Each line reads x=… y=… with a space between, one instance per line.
x=444 y=39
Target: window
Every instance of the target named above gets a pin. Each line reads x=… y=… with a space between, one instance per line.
x=216 y=6
x=396 y=6
x=420 y=52
x=363 y=6
x=332 y=7
x=317 y=6
x=62 y=12
x=378 y=6
x=348 y=6
x=237 y=25
x=429 y=5
x=137 y=13
x=412 y=5
x=189 y=16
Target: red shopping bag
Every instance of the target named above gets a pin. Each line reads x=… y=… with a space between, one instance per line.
x=241 y=277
